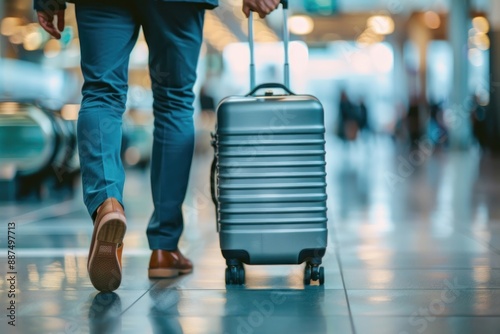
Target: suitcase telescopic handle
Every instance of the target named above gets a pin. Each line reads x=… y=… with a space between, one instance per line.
x=270 y=85
x=284 y=4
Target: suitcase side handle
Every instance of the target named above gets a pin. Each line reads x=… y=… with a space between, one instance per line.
x=270 y=85
x=284 y=4
x=213 y=181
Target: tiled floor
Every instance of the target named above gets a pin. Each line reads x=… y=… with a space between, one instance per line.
x=414 y=247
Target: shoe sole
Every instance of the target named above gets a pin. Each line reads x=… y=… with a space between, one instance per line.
x=167 y=273
x=104 y=267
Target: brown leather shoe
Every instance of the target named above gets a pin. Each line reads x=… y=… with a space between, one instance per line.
x=165 y=264
x=105 y=254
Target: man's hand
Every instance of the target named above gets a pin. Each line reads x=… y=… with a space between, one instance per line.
x=46 y=20
x=262 y=7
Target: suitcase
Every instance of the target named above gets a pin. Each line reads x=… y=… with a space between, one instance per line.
x=268 y=177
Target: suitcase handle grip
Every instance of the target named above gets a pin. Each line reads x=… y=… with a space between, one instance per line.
x=270 y=85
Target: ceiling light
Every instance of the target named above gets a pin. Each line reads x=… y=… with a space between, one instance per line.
x=381 y=24
x=432 y=20
x=300 y=24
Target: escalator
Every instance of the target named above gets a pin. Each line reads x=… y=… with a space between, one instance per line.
x=38 y=153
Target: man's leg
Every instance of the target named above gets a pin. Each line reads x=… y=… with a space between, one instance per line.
x=173 y=32
x=108 y=32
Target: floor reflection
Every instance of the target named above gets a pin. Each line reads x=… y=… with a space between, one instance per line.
x=397 y=234
x=163 y=312
x=105 y=314
x=274 y=311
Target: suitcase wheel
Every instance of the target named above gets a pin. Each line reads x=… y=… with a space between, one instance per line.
x=314 y=272
x=235 y=274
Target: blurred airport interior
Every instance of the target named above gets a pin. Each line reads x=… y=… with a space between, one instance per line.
x=403 y=69
x=411 y=93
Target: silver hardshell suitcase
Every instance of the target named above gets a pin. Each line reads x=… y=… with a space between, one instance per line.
x=268 y=178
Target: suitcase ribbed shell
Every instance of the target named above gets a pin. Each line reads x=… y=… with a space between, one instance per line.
x=271 y=178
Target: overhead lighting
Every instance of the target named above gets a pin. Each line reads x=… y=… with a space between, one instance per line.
x=478 y=38
x=300 y=24
x=381 y=24
x=482 y=41
x=10 y=25
x=432 y=20
x=32 y=41
x=480 y=23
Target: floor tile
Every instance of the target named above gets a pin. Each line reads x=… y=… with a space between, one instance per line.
x=70 y=273
x=450 y=301
x=420 y=279
x=393 y=259
x=419 y=256
x=238 y=301
x=257 y=322
x=426 y=324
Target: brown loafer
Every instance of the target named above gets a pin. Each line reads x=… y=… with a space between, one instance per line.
x=166 y=264
x=105 y=254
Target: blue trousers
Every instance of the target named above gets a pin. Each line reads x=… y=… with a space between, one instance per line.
x=108 y=30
